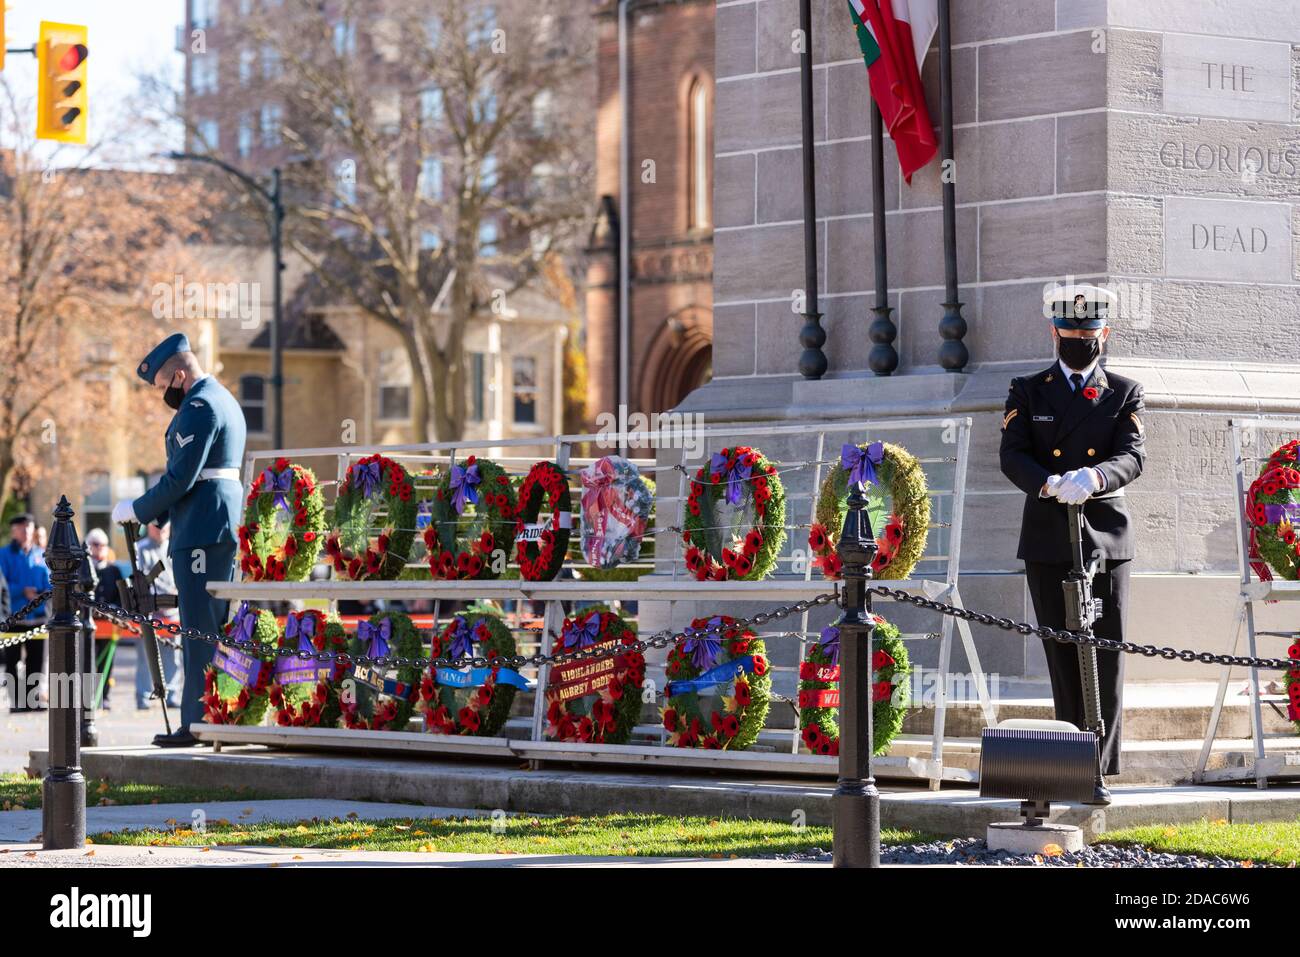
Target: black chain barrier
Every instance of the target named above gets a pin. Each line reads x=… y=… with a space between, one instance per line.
x=16 y=621
x=663 y=639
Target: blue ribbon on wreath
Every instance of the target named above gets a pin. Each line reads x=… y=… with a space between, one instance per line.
x=367 y=477
x=735 y=477
x=278 y=484
x=464 y=486
x=830 y=643
x=475 y=677
x=719 y=674
x=302 y=627
x=375 y=637
x=704 y=645
x=462 y=640
x=581 y=636
x=862 y=463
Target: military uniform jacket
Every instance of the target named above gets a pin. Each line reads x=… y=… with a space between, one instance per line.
x=207 y=432
x=1050 y=429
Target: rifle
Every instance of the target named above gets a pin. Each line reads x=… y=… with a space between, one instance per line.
x=138 y=597
x=1081 y=613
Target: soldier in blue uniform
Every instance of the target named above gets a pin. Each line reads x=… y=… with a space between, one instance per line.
x=200 y=495
x=1073 y=434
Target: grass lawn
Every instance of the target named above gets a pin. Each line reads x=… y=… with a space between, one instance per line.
x=1266 y=843
x=18 y=792
x=636 y=835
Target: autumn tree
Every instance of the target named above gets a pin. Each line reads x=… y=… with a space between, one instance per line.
x=442 y=157
x=82 y=248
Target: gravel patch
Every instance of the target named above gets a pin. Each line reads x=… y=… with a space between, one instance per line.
x=974 y=851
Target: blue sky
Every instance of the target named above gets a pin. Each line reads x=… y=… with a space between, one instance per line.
x=126 y=37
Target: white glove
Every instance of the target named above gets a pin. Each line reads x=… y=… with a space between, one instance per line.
x=123 y=512
x=1053 y=486
x=1077 y=486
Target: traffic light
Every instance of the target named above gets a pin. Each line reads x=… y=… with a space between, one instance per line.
x=61 y=96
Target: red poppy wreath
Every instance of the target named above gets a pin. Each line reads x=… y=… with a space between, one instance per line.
x=1273 y=511
x=371 y=487
x=473 y=518
x=595 y=699
x=284 y=520
x=735 y=480
x=470 y=700
x=719 y=687
x=304 y=692
x=541 y=548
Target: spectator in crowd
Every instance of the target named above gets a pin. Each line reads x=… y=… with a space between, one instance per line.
x=26 y=576
x=107 y=574
x=151 y=549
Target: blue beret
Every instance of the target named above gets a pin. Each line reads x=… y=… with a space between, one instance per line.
x=176 y=342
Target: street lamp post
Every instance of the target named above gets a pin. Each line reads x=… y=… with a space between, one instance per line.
x=272 y=197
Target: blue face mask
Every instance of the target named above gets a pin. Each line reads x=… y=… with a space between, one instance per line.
x=1078 y=353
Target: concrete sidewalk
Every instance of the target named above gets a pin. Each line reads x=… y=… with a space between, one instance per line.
x=102 y=855
x=556 y=789
x=25 y=826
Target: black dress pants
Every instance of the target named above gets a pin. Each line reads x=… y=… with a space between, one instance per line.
x=1111 y=586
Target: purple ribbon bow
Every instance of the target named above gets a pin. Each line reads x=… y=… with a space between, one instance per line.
x=279 y=484
x=366 y=477
x=375 y=637
x=704 y=645
x=464 y=486
x=302 y=627
x=462 y=640
x=245 y=623
x=830 y=643
x=1273 y=514
x=736 y=476
x=861 y=463
x=584 y=635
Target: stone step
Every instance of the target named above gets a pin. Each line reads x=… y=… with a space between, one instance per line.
x=1143 y=722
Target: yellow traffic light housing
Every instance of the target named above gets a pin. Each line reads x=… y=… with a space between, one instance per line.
x=62 y=100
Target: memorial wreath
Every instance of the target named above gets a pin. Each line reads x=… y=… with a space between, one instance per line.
x=596 y=700
x=370 y=486
x=900 y=533
x=473 y=519
x=706 y=665
x=616 y=506
x=739 y=478
x=470 y=700
x=377 y=701
x=541 y=549
x=307 y=693
x=284 y=521
x=819 y=695
x=1293 y=684
x=1273 y=512
x=235 y=684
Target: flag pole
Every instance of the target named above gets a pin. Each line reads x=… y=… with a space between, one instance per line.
x=812 y=361
x=883 y=359
x=953 y=354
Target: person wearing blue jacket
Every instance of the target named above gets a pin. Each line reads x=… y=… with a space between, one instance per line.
x=23 y=566
x=200 y=495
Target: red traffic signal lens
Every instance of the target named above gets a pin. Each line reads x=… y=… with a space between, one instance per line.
x=73 y=57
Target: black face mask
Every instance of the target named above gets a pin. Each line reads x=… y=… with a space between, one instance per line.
x=174 y=395
x=1078 y=353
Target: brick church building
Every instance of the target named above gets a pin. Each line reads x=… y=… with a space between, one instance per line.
x=655 y=249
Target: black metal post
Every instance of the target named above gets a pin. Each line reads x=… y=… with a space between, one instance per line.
x=63 y=810
x=883 y=359
x=277 y=329
x=953 y=354
x=855 y=805
x=812 y=361
x=89 y=666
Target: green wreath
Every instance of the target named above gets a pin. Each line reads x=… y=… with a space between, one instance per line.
x=306 y=693
x=719 y=653
x=1273 y=511
x=542 y=558
x=819 y=676
x=481 y=706
x=371 y=485
x=737 y=475
x=473 y=521
x=275 y=551
x=375 y=700
x=900 y=536
x=595 y=700
x=235 y=684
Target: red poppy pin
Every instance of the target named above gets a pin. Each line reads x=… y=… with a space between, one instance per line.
x=1090 y=393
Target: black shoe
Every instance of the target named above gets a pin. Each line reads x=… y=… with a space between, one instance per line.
x=177 y=739
x=1100 y=796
